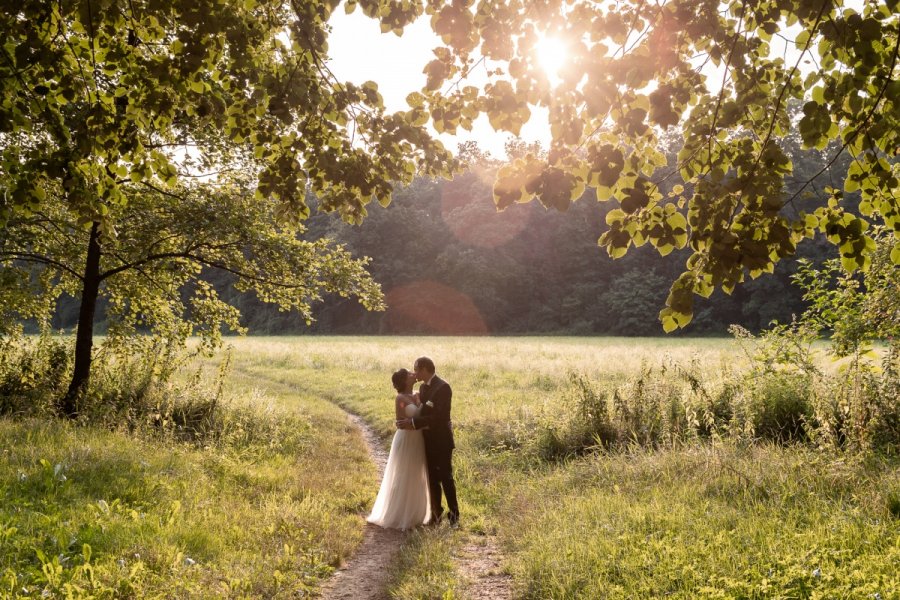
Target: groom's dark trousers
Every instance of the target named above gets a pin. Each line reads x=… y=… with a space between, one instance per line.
x=438 y=434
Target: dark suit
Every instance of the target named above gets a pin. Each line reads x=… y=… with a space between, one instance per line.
x=438 y=433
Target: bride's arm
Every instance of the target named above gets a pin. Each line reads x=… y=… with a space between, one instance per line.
x=400 y=407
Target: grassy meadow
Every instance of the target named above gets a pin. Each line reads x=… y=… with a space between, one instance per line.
x=264 y=512
x=704 y=511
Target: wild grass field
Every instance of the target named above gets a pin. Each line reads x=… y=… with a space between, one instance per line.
x=670 y=492
x=715 y=518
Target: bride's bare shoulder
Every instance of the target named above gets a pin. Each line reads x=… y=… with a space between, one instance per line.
x=407 y=398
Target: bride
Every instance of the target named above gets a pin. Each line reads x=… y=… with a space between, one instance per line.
x=402 y=501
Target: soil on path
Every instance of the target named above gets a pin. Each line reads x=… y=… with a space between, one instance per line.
x=480 y=564
x=365 y=575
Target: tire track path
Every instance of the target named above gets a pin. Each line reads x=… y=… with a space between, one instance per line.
x=480 y=563
x=365 y=575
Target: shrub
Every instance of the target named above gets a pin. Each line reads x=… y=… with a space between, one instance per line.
x=859 y=409
x=33 y=372
x=592 y=425
x=143 y=387
x=781 y=406
x=661 y=407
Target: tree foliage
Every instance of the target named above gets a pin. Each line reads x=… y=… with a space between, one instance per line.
x=722 y=76
x=527 y=270
x=109 y=102
x=104 y=95
x=857 y=310
x=103 y=99
x=156 y=274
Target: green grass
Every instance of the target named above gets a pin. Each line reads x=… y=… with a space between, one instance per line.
x=724 y=518
x=106 y=514
x=713 y=520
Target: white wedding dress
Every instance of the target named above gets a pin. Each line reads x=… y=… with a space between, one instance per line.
x=402 y=501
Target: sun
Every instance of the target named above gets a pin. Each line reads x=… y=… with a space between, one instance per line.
x=552 y=54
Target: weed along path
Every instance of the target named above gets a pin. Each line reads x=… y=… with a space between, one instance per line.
x=366 y=574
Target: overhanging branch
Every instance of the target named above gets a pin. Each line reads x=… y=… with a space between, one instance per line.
x=38 y=258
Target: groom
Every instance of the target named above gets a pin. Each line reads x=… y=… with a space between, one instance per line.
x=435 y=395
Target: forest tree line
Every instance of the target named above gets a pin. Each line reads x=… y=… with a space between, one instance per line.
x=450 y=263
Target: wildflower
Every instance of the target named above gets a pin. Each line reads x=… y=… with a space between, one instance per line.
x=189 y=562
x=817 y=572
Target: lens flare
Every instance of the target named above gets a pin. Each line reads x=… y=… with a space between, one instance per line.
x=432 y=308
x=469 y=211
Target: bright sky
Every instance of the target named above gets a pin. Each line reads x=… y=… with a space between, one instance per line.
x=360 y=52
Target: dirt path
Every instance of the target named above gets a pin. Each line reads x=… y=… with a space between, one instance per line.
x=365 y=575
x=480 y=564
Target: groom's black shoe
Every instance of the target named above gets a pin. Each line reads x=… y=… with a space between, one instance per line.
x=453 y=519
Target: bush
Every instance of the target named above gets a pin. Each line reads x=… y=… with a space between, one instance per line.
x=781 y=399
x=143 y=388
x=781 y=406
x=592 y=425
x=859 y=409
x=661 y=407
x=33 y=373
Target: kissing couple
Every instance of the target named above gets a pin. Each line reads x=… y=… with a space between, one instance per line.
x=419 y=465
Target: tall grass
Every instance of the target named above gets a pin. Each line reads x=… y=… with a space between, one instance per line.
x=613 y=468
x=143 y=498
x=624 y=468
x=707 y=522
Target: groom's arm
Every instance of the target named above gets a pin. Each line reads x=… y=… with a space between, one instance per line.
x=440 y=411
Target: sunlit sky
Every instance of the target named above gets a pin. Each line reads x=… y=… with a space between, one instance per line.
x=360 y=52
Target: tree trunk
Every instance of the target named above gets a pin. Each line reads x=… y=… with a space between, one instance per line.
x=84 y=339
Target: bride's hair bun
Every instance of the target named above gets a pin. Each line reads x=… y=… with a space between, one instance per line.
x=399 y=379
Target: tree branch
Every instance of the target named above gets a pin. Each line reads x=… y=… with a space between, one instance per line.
x=187 y=255
x=712 y=125
x=787 y=83
x=861 y=127
x=164 y=192
x=147 y=259
x=38 y=258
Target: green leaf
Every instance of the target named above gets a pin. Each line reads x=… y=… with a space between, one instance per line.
x=616 y=215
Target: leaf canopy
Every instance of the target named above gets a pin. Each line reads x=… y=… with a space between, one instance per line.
x=103 y=95
x=723 y=78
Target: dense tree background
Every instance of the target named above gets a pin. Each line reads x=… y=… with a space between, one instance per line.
x=449 y=263
x=756 y=171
